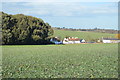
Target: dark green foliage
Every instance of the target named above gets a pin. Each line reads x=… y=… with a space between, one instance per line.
x=22 y=29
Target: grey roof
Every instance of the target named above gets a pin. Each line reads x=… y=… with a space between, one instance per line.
x=110 y=39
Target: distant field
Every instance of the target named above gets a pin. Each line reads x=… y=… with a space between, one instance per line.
x=58 y=61
x=82 y=35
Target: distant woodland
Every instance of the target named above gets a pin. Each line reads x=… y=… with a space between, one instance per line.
x=111 y=31
x=22 y=29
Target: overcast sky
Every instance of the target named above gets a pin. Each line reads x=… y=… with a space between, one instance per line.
x=72 y=14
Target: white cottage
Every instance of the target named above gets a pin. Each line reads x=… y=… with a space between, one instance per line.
x=110 y=40
x=71 y=40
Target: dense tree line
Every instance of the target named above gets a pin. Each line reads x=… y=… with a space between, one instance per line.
x=22 y=29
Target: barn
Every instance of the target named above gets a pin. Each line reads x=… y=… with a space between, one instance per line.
x=110 y=40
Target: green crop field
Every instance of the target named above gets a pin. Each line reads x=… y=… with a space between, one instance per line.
x=60 y=61
x=82 y=35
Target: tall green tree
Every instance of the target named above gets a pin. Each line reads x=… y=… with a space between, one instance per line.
x=22 y=29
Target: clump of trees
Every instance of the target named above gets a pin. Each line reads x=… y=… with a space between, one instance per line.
x=22 y=29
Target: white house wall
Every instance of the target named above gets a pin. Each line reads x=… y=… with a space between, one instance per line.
x=77 y=41
x=106 y=41
x=64 y=42
x=111 y=41
x=71 y=42
x=117 y=41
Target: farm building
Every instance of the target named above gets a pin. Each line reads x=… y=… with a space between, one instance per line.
x=82 y=41
x=69 y=40
x=72 y=40
x=110 y=40
x=56 y=40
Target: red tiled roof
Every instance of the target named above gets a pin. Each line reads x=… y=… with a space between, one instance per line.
x=74 y=39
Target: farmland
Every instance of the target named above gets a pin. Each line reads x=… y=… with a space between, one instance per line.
x=82 y=35
x=60 y=61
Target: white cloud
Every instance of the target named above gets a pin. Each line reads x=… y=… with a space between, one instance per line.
x=55 y=9
x=104 y=11
x=60 y=1
x=61 y=8
x=74 y=9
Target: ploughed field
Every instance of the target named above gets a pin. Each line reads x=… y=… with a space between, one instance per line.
x=60 y=61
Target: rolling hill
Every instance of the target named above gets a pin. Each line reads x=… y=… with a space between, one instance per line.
x=81 y=34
